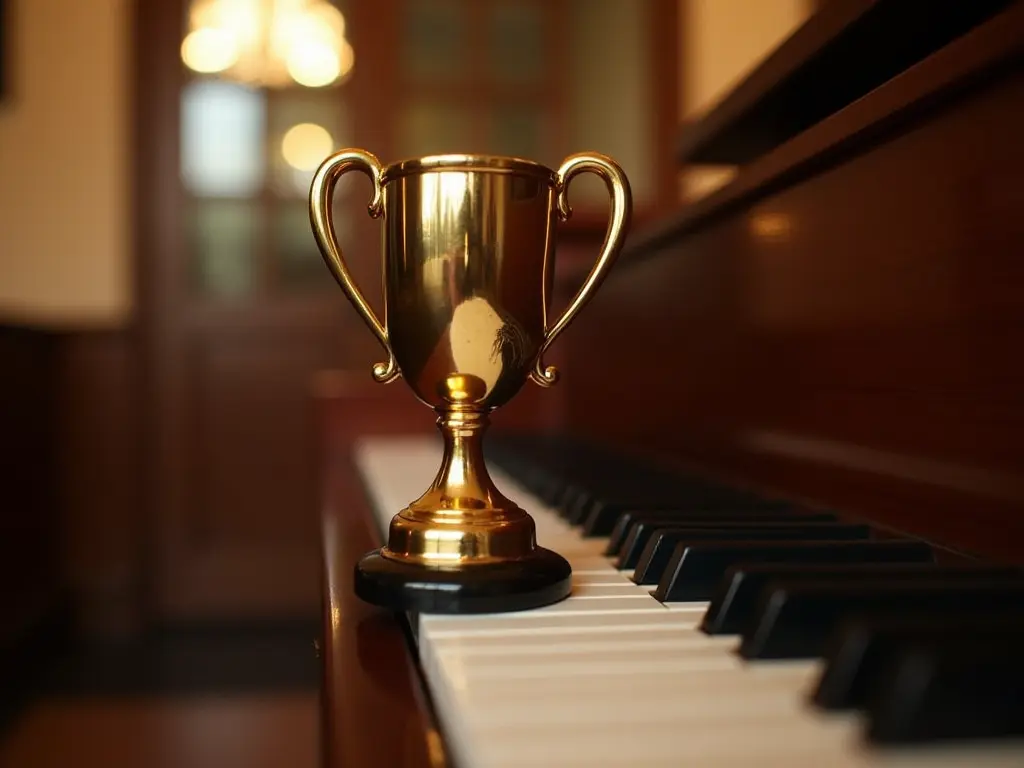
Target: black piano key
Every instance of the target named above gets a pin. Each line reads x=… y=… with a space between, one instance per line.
x=627 y=515
x=644 y=527
x=733 y=603
x=624 y=520
x=694 y=571
x=860 y=652
x=603 y=519
x=627 y=518
x=607 y=507
x=650 y=562
x=793 y=620
x=951 y=689
x=550 y=492
x=575 y=495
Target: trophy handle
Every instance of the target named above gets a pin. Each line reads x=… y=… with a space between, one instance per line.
x=320 y=216
x=618 y=225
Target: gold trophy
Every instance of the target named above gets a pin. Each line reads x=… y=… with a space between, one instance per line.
x=468 y=258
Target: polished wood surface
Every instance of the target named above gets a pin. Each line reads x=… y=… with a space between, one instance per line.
x=374 y=707
x=842 y=321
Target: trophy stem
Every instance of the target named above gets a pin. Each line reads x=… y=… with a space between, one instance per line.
x=463 y=478
x=462 y=547
x=462 y=519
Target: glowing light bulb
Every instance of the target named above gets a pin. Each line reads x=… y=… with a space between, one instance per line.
x=270 y=43
x=209 y=49
x=313 y=64
x=304 y=146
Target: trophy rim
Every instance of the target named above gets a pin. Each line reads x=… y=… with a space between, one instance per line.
x=467 y=162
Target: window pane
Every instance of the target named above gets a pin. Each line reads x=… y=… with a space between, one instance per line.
x=299 y=264
x=305 y=127
x=222 y=139
x=436 y=39
x=223 y=238
x=519 y=132
x=433 y=129
x=611 y=98
x=516 y=47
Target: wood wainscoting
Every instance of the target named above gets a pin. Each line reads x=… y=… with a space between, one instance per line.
x=73 y=535
x=33 y=584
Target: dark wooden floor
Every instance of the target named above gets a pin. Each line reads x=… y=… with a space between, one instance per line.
x=192 y=697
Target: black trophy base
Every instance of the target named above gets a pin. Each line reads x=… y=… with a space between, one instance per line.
x=543 y=578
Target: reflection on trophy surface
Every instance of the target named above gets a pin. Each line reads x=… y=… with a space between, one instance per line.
x=468 y=262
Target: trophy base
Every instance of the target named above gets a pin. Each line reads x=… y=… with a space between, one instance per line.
x=541 y=578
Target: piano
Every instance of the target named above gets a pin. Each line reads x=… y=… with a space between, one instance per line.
x=788 y=473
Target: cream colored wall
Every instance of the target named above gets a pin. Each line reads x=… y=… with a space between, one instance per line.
x=721 y=42
x=64 y=163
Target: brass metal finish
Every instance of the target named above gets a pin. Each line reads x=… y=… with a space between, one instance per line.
x=468 y=267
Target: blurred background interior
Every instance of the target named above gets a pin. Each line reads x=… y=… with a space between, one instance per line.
x=169 y=329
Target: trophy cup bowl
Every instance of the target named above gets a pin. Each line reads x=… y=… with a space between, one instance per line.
x=468 y=257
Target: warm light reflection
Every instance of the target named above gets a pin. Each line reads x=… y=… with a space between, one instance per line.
x=313 y=65
x=771 y=226
x=209 y=50
x=474 y=327
x=304 y=146
x=269 y=42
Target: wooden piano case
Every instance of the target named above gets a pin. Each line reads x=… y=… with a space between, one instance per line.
x=844 y=321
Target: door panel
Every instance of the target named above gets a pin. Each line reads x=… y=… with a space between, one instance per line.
x=245 y=538
x=250 y=398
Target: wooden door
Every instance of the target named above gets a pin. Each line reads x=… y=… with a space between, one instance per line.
x=242 y=315
x=243 y=318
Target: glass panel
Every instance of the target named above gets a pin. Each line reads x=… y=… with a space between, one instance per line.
x=432 y=129
x=519 y=132
x=436 y=39
x=516 y=47
x=611 y=102
x=222 y=135
x=305 y=127
x=299 y=264
x=223 y=238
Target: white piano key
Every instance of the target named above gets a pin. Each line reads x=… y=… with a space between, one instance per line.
x=607 y=578
x=568 y=641
x=612 y=677
x=499 y=624
x=791 y=743
x=591 y=563
x=698 y=609
x=997 y=754
x=580 y=605
x=711 y=667
x=617 y=589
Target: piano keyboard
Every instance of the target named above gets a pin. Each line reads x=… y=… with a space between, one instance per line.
x=616 y=676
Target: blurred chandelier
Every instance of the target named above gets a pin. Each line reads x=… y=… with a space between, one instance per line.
x=268 y=43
